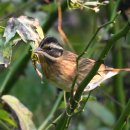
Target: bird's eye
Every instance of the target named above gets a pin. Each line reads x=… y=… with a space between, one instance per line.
x=49 y=48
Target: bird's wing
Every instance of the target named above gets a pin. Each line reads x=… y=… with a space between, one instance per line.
x=103 y=73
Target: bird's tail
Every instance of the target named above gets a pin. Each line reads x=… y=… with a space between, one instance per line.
x=119 y=70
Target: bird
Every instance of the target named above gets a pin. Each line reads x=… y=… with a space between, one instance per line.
x=59 y=66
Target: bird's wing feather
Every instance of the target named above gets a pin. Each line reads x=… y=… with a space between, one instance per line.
x=103 y=73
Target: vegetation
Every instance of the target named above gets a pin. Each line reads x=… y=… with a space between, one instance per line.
x=96 y=30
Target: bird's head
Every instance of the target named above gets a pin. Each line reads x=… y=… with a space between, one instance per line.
x=50 y=48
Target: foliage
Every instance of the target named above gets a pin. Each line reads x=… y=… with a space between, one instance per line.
x=94 y=29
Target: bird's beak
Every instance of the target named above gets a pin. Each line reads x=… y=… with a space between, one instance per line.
x=38 y=50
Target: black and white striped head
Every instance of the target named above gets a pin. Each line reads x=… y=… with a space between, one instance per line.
x=50 y=48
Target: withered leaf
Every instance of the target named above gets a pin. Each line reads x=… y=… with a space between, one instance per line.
x=23 y=114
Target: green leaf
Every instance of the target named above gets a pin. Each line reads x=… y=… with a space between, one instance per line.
x=5 y=116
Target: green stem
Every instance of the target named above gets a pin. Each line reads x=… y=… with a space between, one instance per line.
x=118 y=89
x=54 y=122
x=86 y=48
x=63 y=122
x=53 y=110
x=123 y=117
x=122 y=33
x=61 y=125
x=94 y=36
x=105 y=51
x=114 y=8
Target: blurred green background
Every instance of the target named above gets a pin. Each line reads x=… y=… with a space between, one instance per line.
x=79 y=25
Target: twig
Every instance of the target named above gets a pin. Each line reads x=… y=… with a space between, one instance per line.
x=85 y=50
x=95 y=34
x=61 y=125
x=54 y=122
x=62 y=33
x=123 y=117
x=68 y=114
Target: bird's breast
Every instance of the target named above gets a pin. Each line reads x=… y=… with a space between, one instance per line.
x=61 y=73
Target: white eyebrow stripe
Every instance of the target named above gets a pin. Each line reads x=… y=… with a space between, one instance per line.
x=48 y=56
x=54 y=46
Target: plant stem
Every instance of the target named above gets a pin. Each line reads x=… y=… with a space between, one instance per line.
x=105 y=51
x=123 y=117
x=54 y=122
x=84 y=51
x=118 y=88
x=61 y=125
x=114 y=8
x=95 y=34
x=53 y=110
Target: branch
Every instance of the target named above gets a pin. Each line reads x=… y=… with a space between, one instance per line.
x=86 y=48
x=117 y=59
x=123 y=117
x=61 y=125
x=105 y=51
x=94 y=36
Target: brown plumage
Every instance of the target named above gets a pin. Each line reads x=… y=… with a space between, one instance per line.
x=60 y=68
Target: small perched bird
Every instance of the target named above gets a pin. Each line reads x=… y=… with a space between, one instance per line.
x=59 y=66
